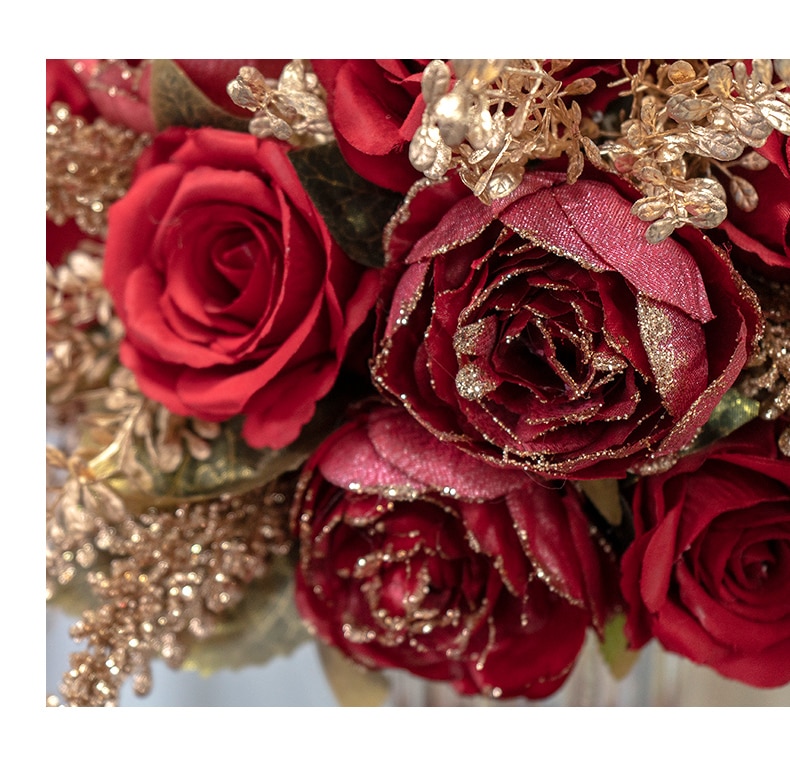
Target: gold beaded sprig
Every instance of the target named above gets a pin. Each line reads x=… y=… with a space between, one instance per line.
x=89 y=166
x=690 y=125
x=495 y=117
x=291 y=109
x=766 y=378
x=165 y=578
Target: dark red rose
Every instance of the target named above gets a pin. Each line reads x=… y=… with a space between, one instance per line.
x=375 y=106
x=544 y=331
x=417 y=556
x=761 y=238
x=708 y=573
x=234 y=296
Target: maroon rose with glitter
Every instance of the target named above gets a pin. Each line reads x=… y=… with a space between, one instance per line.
x=415 y=555
x=543 y=331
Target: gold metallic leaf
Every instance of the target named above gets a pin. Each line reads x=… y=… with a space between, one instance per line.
x=176 y=100
x=743 y=193
x=650 y=208
x=355 y=210
x=752 y=126
x=681 y=72
x=580 y=87
x=353 y=685
x=435 y=81
x=614 y=648
x=782 y=69
x=605 y=496
x=720 y=145
x=660 y=230
x=777 y=113
x=265 y=625
x=754 y=161
x=764 y=69
x=687 y=109
x=720 y=80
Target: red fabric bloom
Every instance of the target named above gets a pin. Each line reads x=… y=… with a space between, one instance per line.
x=544 y=331
x=415 y=555
x=375 y=106
x=708 y=573
x=761 y=238
x=234 y=296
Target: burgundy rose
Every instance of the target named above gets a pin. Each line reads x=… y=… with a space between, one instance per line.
x=760 y=238
x=234 y=296
x=415 y=555
x=375 y=106
x=708 y=573
x=544 y=331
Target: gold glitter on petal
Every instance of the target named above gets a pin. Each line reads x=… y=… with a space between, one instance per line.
x=656 y=329
x=472 y=383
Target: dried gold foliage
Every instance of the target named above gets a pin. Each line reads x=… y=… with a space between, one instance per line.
x=291 y=109
x=82 y=331
x=172 y=575
x=89 y=166
x=264 y=625
x=690 y=124
x=766 y=377
x=496 y=117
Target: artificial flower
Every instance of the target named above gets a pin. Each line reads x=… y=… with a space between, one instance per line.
x=542 y=330
x=708 y=573
x=235 y=298
x=417 y=556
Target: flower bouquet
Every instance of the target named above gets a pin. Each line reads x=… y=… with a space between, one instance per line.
x=450 y=364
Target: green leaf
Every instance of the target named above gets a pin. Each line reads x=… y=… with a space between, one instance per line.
x=355 y=210
x=265 y=625
x=733 y=411
x=176 y=100
x=614 y=647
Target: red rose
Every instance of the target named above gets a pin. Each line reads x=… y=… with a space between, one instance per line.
x=234 y=296
x=374 y=106
x=544 y=331
x=761 y=238
x=415 y=555
x=708 y=573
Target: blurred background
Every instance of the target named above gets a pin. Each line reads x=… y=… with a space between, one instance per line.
x=309 y=677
